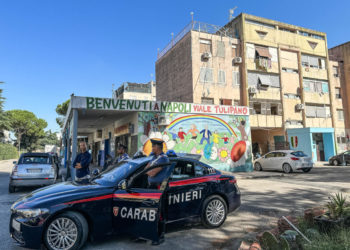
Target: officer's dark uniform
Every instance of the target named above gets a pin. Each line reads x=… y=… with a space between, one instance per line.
x=156 y=181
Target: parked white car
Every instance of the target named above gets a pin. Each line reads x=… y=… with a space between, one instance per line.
x=285 y=160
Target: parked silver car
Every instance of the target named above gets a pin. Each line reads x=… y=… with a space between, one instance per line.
x=33 y=169
x=285 y=160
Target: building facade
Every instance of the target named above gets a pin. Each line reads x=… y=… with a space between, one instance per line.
x=280 y=71
x=339 y=59
x=136 y=91
x=219 y=134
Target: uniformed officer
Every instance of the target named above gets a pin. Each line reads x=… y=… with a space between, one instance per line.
x=155 y=179
x=157 y=175
x=122 y=155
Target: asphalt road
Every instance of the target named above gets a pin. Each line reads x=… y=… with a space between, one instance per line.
x=265 y=197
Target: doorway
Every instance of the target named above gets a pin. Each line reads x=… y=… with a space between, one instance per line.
x=317 y=139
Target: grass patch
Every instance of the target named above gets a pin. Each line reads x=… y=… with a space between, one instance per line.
x=337 y=239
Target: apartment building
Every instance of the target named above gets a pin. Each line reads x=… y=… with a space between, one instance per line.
x=280 y=71
x=339 y=59
x=136 y=91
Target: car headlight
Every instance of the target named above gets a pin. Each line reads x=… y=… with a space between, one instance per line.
x=32 y=213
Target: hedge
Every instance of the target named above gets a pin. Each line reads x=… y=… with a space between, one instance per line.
x=8 y=151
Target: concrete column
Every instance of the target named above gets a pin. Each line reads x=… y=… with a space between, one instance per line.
x=74 y=140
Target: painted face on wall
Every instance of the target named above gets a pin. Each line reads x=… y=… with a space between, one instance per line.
x=214 y=153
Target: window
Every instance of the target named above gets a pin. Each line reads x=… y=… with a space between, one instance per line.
x=265 y=25
x=236 y=78
x=254 y=79
x=337 y=93
x=205 y=46
x=257 y=108
x=270 y=155
x=313 y=62
x=317 y=111
x=287 y=30
x=225 y=102
x=335 y=71
x=317 y=86
x=206 y=75
x=185 y=170
x=340 y=114
x=200 y=170
x=220 y=49
x=206 y=100
x=288 y=70
x=280 y=154
x=221 y=77
x=236 y=102
x=299 y=154
x=342 y=140
x=234 y=51
x=274 y=109
x=291 y=96
x=303 y=33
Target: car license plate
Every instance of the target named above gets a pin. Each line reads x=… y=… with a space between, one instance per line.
x=16 y=225
x=34 y=170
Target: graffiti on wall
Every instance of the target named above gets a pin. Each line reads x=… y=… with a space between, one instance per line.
x=223 y=141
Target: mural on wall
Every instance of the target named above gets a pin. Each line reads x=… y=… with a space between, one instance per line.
x=224 y=141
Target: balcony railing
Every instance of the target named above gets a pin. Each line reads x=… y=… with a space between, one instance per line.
x=196 y=26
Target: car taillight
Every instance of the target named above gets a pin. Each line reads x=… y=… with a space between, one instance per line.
x=14 y=170
x=294 y=159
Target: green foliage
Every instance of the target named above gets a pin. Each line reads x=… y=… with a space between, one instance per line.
x=49 y=139
x=7 y=151
x=336 y=205
x=4 y=121
x=61 y=110
x=337 y=239
x=27 y=128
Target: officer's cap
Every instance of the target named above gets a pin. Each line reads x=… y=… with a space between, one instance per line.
x=158 y=142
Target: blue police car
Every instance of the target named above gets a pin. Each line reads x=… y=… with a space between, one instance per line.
x=120 y=200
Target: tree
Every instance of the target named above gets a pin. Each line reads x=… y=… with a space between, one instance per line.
x=27 y=128
x=61 y=110
x=50 y=138
x=4 y=121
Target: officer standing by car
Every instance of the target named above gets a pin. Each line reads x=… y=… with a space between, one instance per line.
x=81 y=163
x=157 y=175
x=122 y=155
x=155 y=179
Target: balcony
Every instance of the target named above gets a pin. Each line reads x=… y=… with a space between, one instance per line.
x=266 y=121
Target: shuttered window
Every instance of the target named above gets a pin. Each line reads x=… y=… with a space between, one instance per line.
x=205 y=45
x=206 y=75
x=236 y=78
x=221 y=77
x=220 y=49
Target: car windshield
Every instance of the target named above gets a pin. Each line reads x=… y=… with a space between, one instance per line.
x=118 y=172
x=35 y=160
x=299 y=154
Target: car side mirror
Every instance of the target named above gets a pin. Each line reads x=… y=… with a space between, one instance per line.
x=14 y=162
x=123 y=184
x=96 y=172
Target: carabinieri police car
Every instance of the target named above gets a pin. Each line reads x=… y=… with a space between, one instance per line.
x=119 y=200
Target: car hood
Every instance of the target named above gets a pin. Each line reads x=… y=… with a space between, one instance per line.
x=60 y=193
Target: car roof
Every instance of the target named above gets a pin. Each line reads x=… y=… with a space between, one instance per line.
x=35 y=154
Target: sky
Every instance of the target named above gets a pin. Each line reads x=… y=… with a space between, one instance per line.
x=51 y=49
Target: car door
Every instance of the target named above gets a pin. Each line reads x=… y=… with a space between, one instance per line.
x=268 y=162
x=346 y=157
x=278 y=160
x=188 y=185
x=137 y=208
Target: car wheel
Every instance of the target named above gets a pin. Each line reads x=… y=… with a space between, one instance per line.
x=214 y=211
x=66 y=231
x=12 y=189
x=257 y=166
x=287 y=168
x=306 y=170
x=335 y=162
